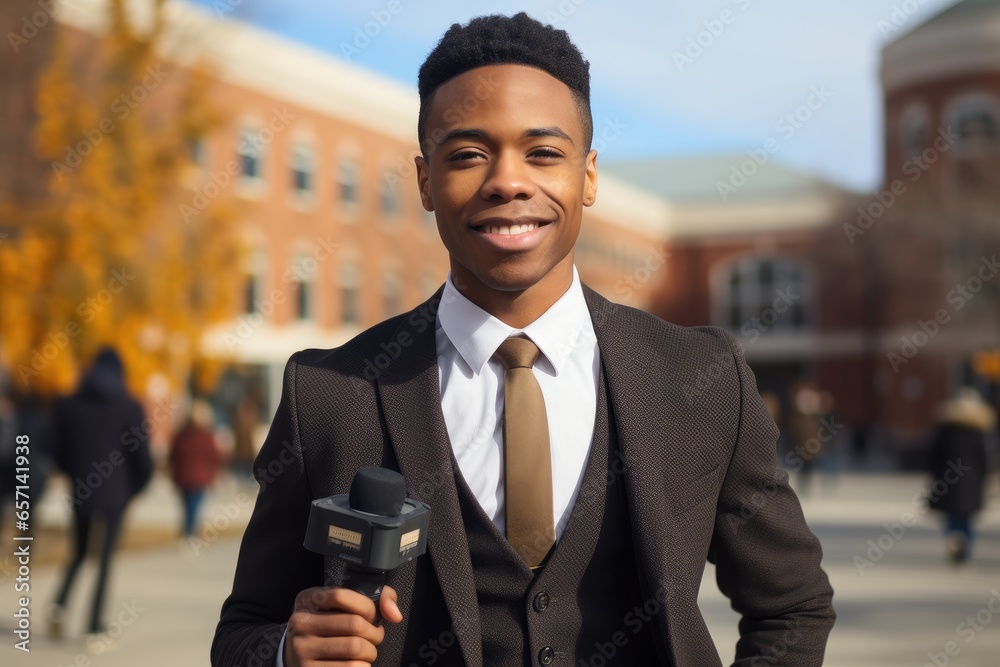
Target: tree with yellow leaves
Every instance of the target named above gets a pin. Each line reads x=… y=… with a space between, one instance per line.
x=103 y=256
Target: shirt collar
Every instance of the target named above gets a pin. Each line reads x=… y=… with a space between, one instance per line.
x=476 y=334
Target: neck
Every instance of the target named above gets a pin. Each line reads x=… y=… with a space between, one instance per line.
x=515 y=308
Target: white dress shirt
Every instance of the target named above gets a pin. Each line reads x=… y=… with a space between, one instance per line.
x=472 y=393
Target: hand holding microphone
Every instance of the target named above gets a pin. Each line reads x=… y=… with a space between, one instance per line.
x=374 y=528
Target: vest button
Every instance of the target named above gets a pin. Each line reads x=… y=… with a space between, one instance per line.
x=541 y=602
x=546 y=656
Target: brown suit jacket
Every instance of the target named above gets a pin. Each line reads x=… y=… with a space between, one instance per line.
x=699 y=469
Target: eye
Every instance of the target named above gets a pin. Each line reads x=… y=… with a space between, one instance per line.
x=545 y=154
x=464 y=156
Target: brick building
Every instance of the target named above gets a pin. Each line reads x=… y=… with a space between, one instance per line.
x=316 y=155
x=863 y=295
x=746 y=260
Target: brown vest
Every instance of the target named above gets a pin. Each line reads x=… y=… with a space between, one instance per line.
x=584 y=606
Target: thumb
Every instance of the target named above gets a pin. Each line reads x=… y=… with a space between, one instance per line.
x=388 y=607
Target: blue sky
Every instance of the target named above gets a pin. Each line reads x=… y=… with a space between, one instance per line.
x=759 y=61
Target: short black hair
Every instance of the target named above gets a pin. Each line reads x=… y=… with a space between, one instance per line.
x=506 y=40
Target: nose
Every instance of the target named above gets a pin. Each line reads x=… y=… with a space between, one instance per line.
x=508 y=178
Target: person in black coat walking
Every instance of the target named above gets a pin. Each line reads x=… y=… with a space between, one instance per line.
x=102 y=447
x=959 y=466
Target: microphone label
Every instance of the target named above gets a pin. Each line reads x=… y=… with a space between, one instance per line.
x=409 y=540
x=345 y=538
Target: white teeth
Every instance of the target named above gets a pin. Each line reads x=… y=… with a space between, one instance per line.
x=511 y=229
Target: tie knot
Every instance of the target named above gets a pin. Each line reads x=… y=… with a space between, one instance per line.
x=517 y=352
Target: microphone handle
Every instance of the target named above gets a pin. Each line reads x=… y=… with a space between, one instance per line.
x=365 y=580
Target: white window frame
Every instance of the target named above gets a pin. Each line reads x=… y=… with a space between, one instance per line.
x=753 y=298
x=963 y=104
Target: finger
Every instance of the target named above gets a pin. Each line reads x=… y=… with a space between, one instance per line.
x=310 y=649
x=388 y=605
x=331 y=598
x=333 y=624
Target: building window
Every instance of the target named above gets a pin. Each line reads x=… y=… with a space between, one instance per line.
x=253 y=281
x=348 y=182
x=391 y=301
x=197 y=152
x=303 y=167
x=302 y=279
x=252 y=291
x=765 y=295
x=251 y=155
x=389 y=199
x=303 y=300
x=976 y=121
x=914 y=127
x=349 y=282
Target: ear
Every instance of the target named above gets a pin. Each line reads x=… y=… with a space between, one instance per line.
x=423 y=182
x=590 y=179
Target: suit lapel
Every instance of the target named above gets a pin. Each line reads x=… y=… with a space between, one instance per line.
x=629 y=370
x=410 y=394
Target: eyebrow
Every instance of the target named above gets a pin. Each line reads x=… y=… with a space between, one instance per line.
x=471 y=133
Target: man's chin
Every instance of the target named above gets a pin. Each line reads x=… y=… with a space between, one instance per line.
x=512 y=279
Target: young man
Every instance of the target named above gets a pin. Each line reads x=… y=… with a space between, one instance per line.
x=576 y=492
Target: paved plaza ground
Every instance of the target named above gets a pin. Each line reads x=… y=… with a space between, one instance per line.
x=899 y=603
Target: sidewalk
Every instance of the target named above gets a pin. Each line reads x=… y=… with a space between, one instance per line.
x=153 y=518
x=164 y=601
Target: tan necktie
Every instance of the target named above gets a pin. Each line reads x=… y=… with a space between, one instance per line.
x=527 y=459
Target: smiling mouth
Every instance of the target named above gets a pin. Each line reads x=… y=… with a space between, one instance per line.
x=510 y=230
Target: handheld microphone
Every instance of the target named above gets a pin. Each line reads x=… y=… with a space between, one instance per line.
x=374 y=528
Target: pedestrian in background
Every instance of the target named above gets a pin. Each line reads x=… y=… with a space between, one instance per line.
x=101 y=446
x=809 y=404
x=958 y=460
x=195 y=460
x=24 y=414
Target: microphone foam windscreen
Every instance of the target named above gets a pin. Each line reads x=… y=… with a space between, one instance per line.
x=378 y=491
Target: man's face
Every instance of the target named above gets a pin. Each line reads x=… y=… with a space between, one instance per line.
x=507 y=177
